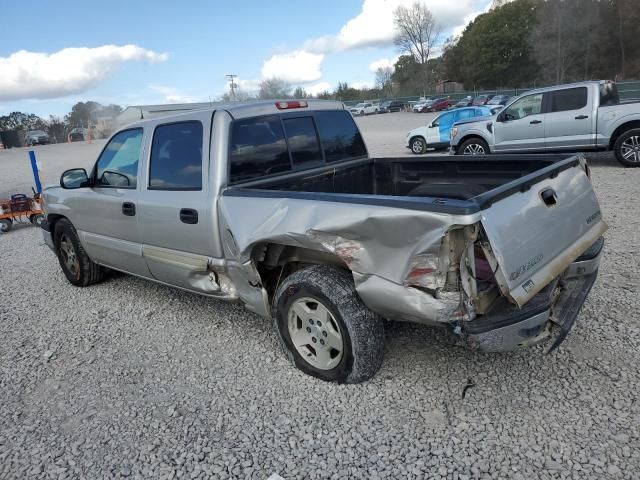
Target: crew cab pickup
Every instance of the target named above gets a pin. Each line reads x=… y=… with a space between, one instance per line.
x=277 y=205
x=579 y=117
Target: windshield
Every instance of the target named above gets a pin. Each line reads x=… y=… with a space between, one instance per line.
x=360 y=105
x=495 y=100
x=36 y=132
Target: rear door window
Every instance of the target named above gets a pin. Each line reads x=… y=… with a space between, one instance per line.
x=339 y=135
x=258 y=148
x=303 y=142
x=569 y=99
x=176 y=157
x=464 y=114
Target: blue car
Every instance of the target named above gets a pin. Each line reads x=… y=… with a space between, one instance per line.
x=437 y=134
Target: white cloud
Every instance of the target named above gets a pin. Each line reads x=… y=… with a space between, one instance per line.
x=171 y=94
x=297 y=66
x=72 y=70
x=317 y=88
x=373 y=26
x=382 y=63
x=362 y=85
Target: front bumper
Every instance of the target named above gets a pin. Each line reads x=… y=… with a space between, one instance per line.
x=46 y=234
x=552 y=312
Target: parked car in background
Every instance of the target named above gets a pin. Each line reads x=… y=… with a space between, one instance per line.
x=365 y=108
x=499 y=100
x=465 y=102
x=36 y=137
x=436 y=134
x=437 y=105
x=482 y=99
x=289 y=215
x=389 y=106
x=77 y=135
x=578 y=117
x=418 y=107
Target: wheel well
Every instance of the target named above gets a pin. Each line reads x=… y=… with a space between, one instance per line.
x=620 y=130
x=53 y=219
x=469 y=137
x=275 y=262
x=417 y=136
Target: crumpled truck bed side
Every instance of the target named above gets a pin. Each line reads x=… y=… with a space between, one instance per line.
x=380 y=245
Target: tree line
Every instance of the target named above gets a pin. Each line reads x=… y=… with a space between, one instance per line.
x=524 y=43
x=82 y=114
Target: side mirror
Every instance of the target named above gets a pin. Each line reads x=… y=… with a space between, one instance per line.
x=433 y=125
x=74 y=178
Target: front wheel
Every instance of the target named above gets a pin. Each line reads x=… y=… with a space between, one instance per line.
x=324 y=327
x=627 y=148
x=5 y=225
x=474 y=146
x=76 y=265
x=418 y=145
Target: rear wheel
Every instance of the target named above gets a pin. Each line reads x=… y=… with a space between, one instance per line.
x=5 y=225
x=325 y=328
x=76 y=265
x=418 y=145
x=474 y=146
x=627 y=148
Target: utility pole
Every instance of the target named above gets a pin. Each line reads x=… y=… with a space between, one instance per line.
x=232 y=85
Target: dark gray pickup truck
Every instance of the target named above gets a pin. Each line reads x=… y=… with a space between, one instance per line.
x=278 y=205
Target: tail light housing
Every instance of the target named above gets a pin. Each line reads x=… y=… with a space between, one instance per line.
x=291 y=104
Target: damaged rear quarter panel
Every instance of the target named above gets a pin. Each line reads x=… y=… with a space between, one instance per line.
x=376 y=243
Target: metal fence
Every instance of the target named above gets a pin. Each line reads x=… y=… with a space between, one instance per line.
x=628 y=90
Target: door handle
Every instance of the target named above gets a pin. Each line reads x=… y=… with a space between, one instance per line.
x=535 y=122
x=129 y=209
x=189 y=215
x=549 y=197
x=581 y=117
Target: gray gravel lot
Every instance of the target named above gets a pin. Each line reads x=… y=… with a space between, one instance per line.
x=132 y=379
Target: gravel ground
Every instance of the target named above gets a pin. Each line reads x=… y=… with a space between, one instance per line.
x=132 y=379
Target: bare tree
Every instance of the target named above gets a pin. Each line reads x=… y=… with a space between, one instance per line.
x=274 y=88
x=383 y=78
x=417 y=33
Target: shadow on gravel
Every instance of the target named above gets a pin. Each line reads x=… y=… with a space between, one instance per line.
x=602 y=159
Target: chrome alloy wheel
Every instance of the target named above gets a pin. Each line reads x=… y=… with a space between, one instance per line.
x=630 y=149
x=473 y=149
x=315 y=334
x=69 y=257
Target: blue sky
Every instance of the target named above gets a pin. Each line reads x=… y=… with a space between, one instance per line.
x=141 y=52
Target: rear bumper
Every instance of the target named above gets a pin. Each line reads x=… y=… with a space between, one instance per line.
x=552 y=312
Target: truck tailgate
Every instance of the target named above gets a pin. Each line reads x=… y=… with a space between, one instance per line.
x=536 y=231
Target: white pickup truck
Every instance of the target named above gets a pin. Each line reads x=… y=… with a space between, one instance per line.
x=579 y=117
x=277 y=205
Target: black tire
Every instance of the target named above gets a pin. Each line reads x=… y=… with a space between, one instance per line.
x=418 y=145
x=475 y=146
x=628 y=144
x=362 y=330
x=5 y=225
x=84 y=272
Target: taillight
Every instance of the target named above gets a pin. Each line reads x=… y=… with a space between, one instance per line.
x=423 y=270
x=291 y=104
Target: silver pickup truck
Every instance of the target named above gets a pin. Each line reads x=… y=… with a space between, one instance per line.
x=278 y=205
x=579 y=117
